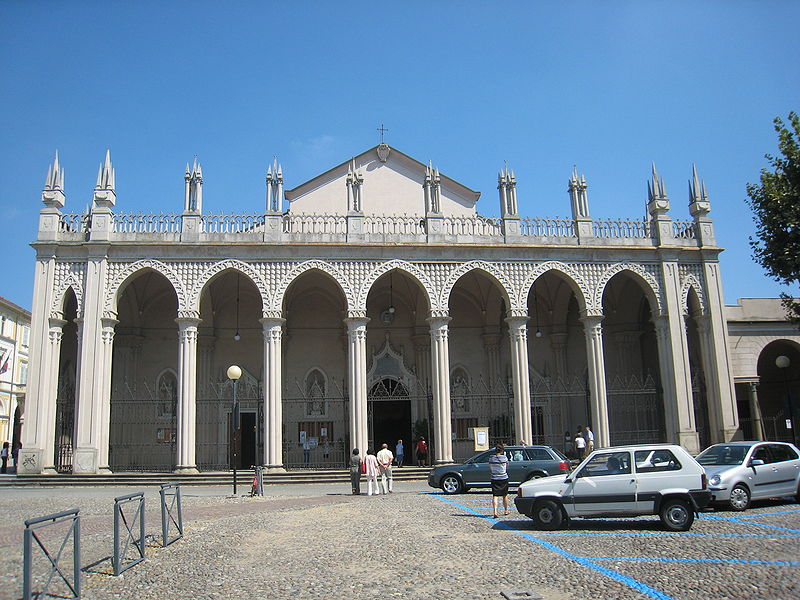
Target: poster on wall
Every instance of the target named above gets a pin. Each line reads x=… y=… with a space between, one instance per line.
x=302 y=437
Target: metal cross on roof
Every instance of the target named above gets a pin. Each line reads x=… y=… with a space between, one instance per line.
x=383 y=130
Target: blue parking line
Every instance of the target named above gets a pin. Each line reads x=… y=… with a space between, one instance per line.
x=741 y=522
x=616 y=575
x=783 y=512
x=670 y=533
x=783 y=563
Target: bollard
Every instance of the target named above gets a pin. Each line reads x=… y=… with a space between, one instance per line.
x=167 y=517
x=120 y=517
x=29 y=536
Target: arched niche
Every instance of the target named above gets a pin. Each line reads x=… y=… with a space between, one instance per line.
x=779 y=390
x=66 y=384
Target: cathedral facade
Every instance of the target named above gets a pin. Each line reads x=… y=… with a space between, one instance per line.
x=380 y=306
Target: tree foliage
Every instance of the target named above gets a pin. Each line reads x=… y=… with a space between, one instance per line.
x=776 y=204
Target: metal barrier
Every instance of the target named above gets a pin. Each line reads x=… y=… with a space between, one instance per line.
x=173 y=490
x=31 y=525
x=120 y=517
x=258 y=481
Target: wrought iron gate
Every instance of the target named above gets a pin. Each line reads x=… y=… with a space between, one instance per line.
x=635 y=410
x=65 y=425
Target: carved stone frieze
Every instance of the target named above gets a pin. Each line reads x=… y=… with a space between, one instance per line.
x=129 y=270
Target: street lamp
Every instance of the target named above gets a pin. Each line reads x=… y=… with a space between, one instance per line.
x=234 y=373
x=783 y=362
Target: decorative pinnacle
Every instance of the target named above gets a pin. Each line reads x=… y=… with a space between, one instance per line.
x=55 y=176
x=697 y=189
x=106 y=176
x=656 y=190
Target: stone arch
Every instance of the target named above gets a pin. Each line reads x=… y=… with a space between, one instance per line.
x=276 y=303
x=650 y=285
x=691 y=282
x=125 y=276
x=507 y=289
x=236 y=265
x=60 y=297
x=574 y=279
x=425 y=283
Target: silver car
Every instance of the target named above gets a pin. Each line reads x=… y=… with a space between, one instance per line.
x=742 y=471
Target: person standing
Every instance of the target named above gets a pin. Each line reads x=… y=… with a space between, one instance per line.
x=568 y=444
x=589 y=437
x=498 y=466
x=385 y=458
x=422 y=452
x=355 y=472
x=580 y=444
x=4 y=456
x=371 y=472
x=398 y=453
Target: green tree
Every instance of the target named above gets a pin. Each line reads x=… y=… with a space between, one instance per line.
x=776 y=204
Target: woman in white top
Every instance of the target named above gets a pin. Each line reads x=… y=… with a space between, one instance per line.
x=371 y=463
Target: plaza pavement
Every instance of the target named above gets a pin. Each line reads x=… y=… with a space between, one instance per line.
x=317 y=541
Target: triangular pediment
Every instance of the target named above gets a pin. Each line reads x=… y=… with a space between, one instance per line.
x=392 y=185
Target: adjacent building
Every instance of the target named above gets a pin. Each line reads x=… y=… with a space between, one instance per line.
x=15 y=329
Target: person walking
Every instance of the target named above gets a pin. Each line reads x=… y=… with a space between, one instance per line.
x=4 y=456
x=385 y=458
x=398 y=453
x=498 y=466
x=422 y=452
x=371 y=472
x=355 y=472
x=589 y=437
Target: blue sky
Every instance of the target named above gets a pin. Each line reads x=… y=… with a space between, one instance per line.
x=609 y=87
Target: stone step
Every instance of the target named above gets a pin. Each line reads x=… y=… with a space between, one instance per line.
x=243 y=478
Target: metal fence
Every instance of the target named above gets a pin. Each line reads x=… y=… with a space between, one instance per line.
x=32 y=526
x=171 y=512
x=121 y=561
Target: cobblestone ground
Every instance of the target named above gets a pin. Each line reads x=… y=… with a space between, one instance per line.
x=314 y=542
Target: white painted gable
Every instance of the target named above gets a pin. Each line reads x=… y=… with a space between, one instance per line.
x=393 y=187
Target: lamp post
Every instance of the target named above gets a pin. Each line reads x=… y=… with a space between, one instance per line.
x=783 y=362
x=234 y=373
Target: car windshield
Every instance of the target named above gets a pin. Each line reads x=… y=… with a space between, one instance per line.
x=722 y=454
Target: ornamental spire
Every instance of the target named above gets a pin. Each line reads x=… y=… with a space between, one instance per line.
x=53 y=192
x=105 y=194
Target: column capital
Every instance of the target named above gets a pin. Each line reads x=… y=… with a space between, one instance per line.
x=271 y=322
x=109 y=322
x=517 y=313
x=187 y=322
x=56 y=323
x=516 y=320
x=591 y=320
x=354 y=323
x=438 y=320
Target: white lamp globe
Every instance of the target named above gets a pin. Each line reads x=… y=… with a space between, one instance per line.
x=782 y=362
x=234 y=372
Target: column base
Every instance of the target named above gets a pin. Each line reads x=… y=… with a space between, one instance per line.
x=30 y=462
x=690 y=441
x=186 y=471
x=732 y=434
x=274 y=469
x=105 y=471
x=443 y=462
x=84 y=461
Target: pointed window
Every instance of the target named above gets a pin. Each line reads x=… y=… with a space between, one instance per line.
x=315 y=393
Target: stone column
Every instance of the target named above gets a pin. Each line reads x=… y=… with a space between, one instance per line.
x=440 y=380
x=107 y=336
x=593 y=330
x=755 y=410
x=674 y=367
x=38 y=434
x=185 y=461
x=357 y=380
x=273 y=407
x=422 y=359
x=518 y=333
x=718 y=366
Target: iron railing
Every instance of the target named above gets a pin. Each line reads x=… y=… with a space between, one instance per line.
x=30 y=536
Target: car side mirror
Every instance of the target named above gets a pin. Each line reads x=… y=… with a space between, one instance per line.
x=756 y=462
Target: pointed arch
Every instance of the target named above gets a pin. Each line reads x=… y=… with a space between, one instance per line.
x=570 y=276
x=276 y=303
x=217 y=268
x=691 y=282
x=412 y=270
x=60 y=297
x=650 y=285
x=506 y=288
x=131 y=271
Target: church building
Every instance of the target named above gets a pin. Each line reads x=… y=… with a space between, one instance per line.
x=369 y=304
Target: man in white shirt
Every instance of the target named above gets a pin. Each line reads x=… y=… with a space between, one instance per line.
x=385 y=458
x=589 y=437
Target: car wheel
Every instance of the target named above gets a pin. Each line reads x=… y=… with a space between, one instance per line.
x=739 y=498
x=547 y=515
x=676 y=515
x=452 y=485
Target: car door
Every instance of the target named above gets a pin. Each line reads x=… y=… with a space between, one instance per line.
x=765 y=477
x=785 y=467
x=656 y=470
x=600 y=487
x=476 y=472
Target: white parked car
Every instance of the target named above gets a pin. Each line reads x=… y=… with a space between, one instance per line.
x=740 y=471
x=652 y=479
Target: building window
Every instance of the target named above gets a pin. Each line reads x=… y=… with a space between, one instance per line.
x=26 y=334
x=23 y=373
x=315 y=393
x=167 y=395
